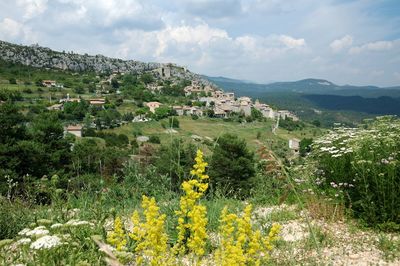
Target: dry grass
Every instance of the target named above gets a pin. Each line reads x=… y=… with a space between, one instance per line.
x=322 y=208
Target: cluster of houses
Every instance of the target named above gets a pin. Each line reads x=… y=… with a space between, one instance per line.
x=51 y=84
x=223 y=104
x=98 y=102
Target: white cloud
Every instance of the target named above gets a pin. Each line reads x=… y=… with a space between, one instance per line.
x=340 y=44
x=204 y=47
x=32 y=8
x=291 y=42
x=10 y=28
x=373 y=46
x=13 y=30
x=108 y=14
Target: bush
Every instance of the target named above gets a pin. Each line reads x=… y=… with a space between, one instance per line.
x=291 y=125
x=361 y=167
x=13 y=217
x=173 y=122
x=305 y=146
x=137 y=132
x=79 y=90
x=27 y=90
x=154 y=139
x=232 y=165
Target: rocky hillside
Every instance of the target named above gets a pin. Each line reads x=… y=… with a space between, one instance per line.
x=42 y=57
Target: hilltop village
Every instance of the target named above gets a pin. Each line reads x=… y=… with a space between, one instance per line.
x=205 y=98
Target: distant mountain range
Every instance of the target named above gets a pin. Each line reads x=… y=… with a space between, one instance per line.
x=305 y=86
x=306 y=95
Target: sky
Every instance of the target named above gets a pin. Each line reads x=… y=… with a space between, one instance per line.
x=344 y=41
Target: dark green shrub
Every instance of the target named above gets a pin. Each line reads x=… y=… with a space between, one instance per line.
x=231 y=166
x=154 y=139
x=173 y=122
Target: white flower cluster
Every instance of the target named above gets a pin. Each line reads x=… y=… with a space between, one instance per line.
x=46 y=242
x=336 y=142
x=24 y=241
x=38 y=231
x=78 y=223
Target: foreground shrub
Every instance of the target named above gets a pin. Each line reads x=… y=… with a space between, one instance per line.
x=47 y=242
x=14 y=216
x=361 y=167
x=239 y=243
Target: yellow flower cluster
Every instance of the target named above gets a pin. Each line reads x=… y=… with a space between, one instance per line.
x=117 y=238
x=192 y=219
x=150 y=237
x=240 y=244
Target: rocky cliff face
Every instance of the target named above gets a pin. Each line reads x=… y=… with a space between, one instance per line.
x=41 y=57
x=37 y=56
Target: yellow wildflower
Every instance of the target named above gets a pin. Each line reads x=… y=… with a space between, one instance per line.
x=240 y=244
x=150 y=236
x=117 y=238
x=192 y=219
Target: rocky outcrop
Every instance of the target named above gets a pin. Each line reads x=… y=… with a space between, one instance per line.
x=42 y=57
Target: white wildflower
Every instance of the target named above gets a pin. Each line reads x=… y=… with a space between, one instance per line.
x=56 y=225
x=384 y=161
x=78 y=223
x=24 y=231
x=24 y=241
x=46 y=242
x=38 y=231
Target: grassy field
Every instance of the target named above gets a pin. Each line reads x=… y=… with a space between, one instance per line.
x=255 y=133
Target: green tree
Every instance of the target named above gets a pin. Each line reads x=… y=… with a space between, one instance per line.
x=12 y=127
x=114 y=83
x=130 y=79
x=37 y=150
x=162 y=112
x=147 y=78
x=305 y=146
x=231 y=166
x=47 y=129
x=76 y=110
x=256 y=114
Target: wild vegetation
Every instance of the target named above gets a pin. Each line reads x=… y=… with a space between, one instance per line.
x=198 y=190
